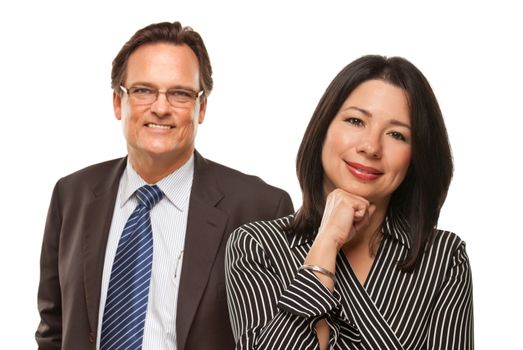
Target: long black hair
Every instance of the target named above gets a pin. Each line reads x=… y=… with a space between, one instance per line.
x=416 y=203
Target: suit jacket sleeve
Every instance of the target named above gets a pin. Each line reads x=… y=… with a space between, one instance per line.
x=49 y=332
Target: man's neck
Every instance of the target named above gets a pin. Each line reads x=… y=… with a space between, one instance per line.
x=154 y=168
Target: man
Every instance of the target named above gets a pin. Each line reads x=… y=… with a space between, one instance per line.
x=161 y=80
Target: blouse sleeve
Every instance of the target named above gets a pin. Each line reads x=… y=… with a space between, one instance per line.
x=266 y=313
x=451 y=325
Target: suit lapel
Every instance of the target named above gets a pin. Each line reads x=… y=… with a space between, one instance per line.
x=205 y=228
x=96 y=221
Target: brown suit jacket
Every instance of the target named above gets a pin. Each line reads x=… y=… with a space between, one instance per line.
x=75 y=240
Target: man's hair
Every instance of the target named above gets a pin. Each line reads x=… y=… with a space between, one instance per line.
x=164 y=32
x=416 y=203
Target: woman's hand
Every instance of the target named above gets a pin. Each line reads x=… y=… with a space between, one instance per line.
x=344 y=216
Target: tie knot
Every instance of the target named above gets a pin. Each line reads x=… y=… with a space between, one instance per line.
x=149 y=196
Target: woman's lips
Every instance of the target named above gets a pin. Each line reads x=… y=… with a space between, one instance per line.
x=363 y=172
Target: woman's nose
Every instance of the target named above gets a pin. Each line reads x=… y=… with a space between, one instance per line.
x=370 y=145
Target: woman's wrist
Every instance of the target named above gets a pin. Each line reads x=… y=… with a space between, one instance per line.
x=323 y=254
x=319 y=269
x=327 y=243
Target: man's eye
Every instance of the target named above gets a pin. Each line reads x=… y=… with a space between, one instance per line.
x=180 y=93
x=142 y=91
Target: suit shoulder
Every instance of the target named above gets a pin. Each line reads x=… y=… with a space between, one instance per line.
x=93 y=171
x=232 y=178
x=91 y=174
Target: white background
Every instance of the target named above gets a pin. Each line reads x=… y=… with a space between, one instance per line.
x=272 y=62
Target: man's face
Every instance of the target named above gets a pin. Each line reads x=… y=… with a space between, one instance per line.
x=159 y=130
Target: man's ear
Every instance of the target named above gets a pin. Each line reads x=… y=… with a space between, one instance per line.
x=117 y=105
x=203 y=109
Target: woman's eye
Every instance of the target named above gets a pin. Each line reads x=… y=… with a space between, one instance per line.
x=397 y=135
x=354 y=121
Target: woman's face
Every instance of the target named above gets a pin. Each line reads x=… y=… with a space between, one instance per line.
x=367 y=148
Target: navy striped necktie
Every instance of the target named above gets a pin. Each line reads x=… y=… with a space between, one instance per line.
x=126 y=303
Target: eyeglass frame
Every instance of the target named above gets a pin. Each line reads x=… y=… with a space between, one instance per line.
x=195 y=95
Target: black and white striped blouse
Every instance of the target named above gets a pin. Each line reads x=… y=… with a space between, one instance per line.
x=272 y=305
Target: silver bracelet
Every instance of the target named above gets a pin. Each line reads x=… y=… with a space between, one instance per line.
x=320 y=270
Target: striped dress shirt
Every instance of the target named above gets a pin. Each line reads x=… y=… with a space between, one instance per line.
x=169 y=223
x=272 y=305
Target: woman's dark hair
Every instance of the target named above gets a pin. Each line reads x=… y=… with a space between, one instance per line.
x=416 y=203
x=164 y=32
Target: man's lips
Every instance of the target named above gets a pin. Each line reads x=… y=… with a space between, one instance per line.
x=363 y=172
x=159 y=126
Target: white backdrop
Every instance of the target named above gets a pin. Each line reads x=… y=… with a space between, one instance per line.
x=272 y=62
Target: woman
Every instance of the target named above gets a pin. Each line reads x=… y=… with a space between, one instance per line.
x=360 y=265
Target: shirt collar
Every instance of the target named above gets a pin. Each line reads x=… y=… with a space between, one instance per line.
x=296 y=240
x=396 y=231
x=175 y=186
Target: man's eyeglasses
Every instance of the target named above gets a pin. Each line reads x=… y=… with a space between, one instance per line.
x=143 y=95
